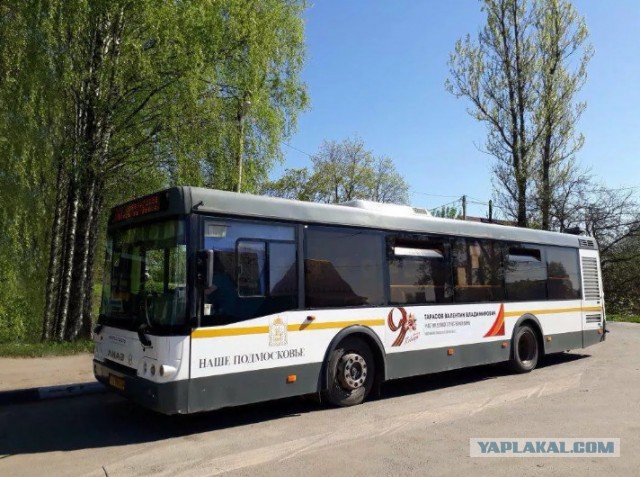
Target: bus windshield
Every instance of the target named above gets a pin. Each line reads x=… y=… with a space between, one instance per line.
x=145 y=275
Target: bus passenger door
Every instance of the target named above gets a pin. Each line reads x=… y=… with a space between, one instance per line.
x=592 y=298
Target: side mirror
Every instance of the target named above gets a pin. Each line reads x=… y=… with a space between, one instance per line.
x=204 y=268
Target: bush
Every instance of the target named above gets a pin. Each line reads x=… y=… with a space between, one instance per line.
x=12 y=324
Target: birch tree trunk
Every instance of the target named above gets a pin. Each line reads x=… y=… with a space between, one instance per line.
x=80 y=261
x=51 y=297
x=87 y=316
x=67 y=264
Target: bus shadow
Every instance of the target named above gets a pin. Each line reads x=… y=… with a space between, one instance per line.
x=107 y=420
x=459 y=377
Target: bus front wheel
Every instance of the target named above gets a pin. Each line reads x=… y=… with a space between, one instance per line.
x=351 y=374
x=526 y=350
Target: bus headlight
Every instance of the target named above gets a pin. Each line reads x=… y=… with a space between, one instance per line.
x=153 y=370
x=167 y=371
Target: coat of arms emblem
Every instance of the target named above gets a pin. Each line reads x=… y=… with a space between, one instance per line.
x=277 y=332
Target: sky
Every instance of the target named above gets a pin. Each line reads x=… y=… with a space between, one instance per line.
x=376 y=69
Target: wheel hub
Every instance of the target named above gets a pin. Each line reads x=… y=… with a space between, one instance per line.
x=527 y=348
x=352 y=371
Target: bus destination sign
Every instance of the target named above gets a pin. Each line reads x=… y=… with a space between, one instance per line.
x=144 y=206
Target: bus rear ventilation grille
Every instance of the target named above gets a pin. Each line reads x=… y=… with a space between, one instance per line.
x=595 y=318
x=587 y=243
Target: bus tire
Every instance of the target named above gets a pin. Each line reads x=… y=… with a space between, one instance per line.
x=526 y=350
x=351 y=373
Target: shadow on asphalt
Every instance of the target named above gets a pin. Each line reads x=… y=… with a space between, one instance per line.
x=106 y=420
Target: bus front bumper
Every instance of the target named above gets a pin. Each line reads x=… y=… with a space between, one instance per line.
x=166 y=398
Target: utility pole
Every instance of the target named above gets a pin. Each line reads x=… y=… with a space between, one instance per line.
x=243 y=108
x=464 y=207
x=240 y=151
x=490 y=210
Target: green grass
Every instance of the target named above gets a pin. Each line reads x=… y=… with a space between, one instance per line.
x=627 y=318
x=36 y=350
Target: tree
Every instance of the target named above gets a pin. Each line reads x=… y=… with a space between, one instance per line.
x=621 y=273
x=260 y=89
x=294 y=184
x=388 y=185
x=27 y=177
x=342 y=171
x=114 y=98
x=569 y=198
x=447 y=212
x=610 y=216
x=497 y=75
x=560 y=35
x=518 y=79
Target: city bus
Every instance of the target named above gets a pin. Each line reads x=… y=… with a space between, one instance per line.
x=214 y=299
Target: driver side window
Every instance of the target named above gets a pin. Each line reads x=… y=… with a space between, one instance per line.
x=252 y=256
x=255 y=270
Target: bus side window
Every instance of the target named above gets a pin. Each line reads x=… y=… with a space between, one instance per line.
x=525 y=273
x=563 y=272
x=478 y=272
x=419 y=270
x=283 y=270
x=343 y=267
x=251 y=262
x=255 y=270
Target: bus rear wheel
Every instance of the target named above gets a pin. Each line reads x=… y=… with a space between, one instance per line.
x=526 y=351
x=351 y=373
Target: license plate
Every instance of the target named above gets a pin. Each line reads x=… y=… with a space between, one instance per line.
x=117 y=382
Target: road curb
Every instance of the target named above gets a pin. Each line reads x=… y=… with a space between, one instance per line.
x=21 y=396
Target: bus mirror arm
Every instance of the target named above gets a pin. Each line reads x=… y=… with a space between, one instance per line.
x=144 y=340
x=204 y=268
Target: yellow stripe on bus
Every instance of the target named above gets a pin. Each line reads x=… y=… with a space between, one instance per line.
x=213 y=332
x=314 y=325
x=552 y=310
x=254 y=330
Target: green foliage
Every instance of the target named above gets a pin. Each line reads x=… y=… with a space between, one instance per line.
x=447 y=212
x=496 y=74
x=251 y=57
x=13 y=326
x=25 y=167
x=521 y=77
x=562 y=56
x=624 y=318
x=621 y=272
x=142 y=95
x=343 y=171
x=294 y=184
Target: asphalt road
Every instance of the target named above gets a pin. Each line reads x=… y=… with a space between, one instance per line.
x=420 y=426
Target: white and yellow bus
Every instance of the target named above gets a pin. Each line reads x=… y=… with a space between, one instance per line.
x=215 y=299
